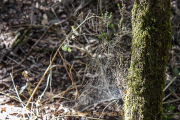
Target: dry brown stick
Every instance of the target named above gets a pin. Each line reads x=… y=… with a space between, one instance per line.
x=53 y=57
x=174 y=93
x=42 y=77
x=172 y=101
x=47 y=68
x=69 y=73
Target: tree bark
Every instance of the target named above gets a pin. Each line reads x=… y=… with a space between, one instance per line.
x=151 y=30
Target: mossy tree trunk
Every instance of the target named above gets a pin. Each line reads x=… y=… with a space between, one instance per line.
x=151 y=30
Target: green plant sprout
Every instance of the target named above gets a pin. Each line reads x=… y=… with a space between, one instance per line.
x=120 y=21
x=110 y=25
x=168 y=115
x=106 y=17
x=102 y=36
x=66 y=48
x=74 y=31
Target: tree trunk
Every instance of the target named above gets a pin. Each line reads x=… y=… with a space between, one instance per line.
x=151 y=30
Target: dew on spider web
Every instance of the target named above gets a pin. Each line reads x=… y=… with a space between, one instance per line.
x=110 y=82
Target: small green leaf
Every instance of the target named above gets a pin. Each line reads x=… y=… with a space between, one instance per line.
x=175 y=72
x=65 y=47
x=69 y=49
x=120 y=23
x=110 y=15
x=29 y=87
x=74 y=31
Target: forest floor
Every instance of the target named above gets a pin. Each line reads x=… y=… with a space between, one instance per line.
x=68 y=60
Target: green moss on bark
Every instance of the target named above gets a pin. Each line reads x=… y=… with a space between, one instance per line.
x=150 y=44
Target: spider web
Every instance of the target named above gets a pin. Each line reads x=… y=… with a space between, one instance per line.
x=108 y=82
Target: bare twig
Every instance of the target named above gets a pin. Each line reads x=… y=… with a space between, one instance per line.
x=172 y=101
x=169 y=83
